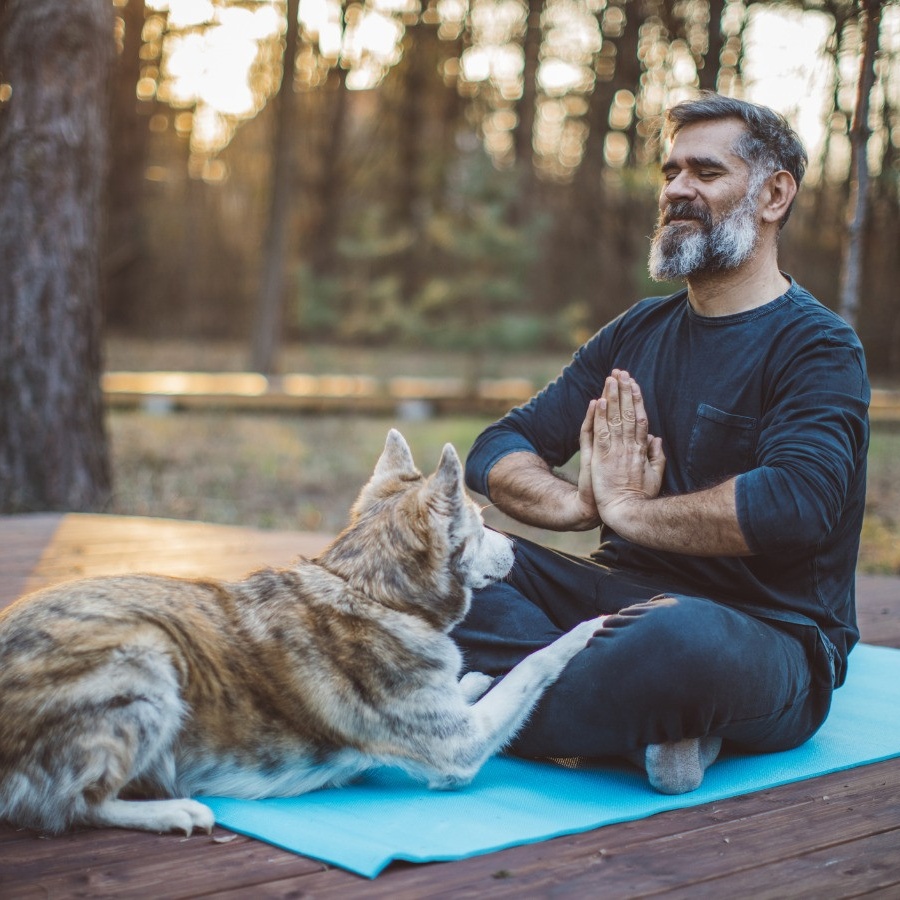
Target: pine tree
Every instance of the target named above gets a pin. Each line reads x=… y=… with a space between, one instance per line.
x=55 y=58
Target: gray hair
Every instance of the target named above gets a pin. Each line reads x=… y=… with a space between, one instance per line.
x=768 y=145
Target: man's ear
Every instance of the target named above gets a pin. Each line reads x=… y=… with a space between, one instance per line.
x=776 y=196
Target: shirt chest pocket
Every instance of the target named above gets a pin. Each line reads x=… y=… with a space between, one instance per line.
x=722 y=444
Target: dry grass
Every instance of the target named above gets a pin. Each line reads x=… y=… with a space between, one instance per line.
x=272 y=471
x=303 y=472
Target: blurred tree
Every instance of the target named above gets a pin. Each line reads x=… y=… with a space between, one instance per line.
x=129 y=144
x=413 y=205
x=328 y=188
x=395 y=96
x=55 y=56
x=595 y=239
x=708 y=68
x=525 y=107
x=858 y=210
x=270 y=314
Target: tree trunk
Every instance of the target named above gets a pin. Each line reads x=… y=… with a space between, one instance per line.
x=709 y=72
x=629 y=71
x=851 y=274
x=56 y=55
x=323 y=252
x=526 y=107
x=267 y=334
x=129 y=140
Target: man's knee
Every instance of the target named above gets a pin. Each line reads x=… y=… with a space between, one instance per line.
x=667 y=625
x=675 y=648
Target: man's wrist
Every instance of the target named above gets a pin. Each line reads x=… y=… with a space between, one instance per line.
x=623 y=515
x=574 y=513
x=585 y=518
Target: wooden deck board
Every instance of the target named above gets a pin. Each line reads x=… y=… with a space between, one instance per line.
x=724 y=841
x=835 y=836
x=75 y=546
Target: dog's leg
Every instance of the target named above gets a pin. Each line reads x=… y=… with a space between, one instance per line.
x=502 y=712
x=498 y=715
x=152 y=815
x=116 y=725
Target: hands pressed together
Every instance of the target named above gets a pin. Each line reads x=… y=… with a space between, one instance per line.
x=621 y=462
x=619 y=482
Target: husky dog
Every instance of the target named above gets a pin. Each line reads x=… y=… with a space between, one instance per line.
x=121 y=697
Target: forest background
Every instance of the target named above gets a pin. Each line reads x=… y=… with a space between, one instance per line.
x=444 y=185
x=469 y=176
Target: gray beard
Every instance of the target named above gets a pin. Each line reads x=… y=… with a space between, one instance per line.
x=682 y=250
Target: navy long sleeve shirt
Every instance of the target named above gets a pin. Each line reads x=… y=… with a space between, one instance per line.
x=777 y=396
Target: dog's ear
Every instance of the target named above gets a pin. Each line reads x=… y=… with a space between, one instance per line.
x=395 y=459
x=447 y=481
x=395 y=462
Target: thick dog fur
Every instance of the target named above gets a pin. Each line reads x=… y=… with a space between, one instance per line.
x=122 y=697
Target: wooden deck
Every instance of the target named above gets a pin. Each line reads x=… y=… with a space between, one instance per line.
x=835 y=836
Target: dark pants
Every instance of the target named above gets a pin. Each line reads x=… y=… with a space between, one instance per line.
x=665 y=667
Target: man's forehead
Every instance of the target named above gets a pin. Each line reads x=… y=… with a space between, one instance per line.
x=710 y=143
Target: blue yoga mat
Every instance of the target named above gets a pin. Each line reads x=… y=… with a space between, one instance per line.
x=386 y=816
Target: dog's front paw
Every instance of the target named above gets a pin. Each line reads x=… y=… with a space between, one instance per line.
x=584 y=631
x=575 y=640
x=474 y=685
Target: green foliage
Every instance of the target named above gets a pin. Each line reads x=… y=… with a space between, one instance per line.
x=475 y=270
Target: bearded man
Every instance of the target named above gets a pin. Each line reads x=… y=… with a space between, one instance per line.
x=729 y=535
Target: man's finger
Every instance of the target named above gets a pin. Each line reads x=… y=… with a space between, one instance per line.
x=602 y=433
x=586 y=436
x=656 y=458
x=626 y=407
x=641 y=425
x=613 y=409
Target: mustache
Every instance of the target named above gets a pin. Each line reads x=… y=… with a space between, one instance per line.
x=683 y=209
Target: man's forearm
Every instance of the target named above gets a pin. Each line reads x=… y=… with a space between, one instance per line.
x=705 y=523
x=523 y=486
x=700 y=524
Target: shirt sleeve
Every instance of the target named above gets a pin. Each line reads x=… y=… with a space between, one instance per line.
x=813 y=441
x=550 y=423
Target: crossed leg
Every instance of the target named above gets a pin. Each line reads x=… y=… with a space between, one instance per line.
x=670 y=672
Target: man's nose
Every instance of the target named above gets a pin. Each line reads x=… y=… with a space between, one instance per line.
x=678 y=187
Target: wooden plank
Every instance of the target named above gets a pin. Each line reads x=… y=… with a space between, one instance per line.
x=741 y=852
x=166 y=391
x=885 y=406
x=83 y=545
x=878 y=609
x=23 y=540
x=890 y=892
x=682 y=847
x=851 y=869
x=114 y=863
